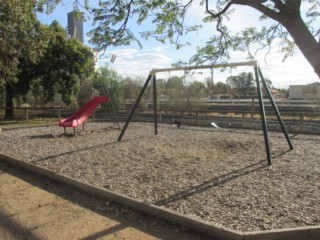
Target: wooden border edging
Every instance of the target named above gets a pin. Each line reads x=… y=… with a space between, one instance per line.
x=169 y=215
x=299 y=233
x=305 y=233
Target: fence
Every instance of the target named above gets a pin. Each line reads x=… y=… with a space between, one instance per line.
x=298 y=119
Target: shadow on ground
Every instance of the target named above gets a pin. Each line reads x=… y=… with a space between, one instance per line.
x=126 y=217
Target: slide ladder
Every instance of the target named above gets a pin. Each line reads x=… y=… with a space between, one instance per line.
x=103 y=90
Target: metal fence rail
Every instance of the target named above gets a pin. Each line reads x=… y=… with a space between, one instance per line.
x=302 y=121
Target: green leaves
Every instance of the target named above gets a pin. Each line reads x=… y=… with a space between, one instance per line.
x=113 y=82
x=64 y=64
x=243 y=84
x=20 y=36
x=113 y=17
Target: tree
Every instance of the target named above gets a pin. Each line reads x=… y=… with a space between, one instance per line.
x=197 y=90
x=60 y=69
x=220 y=88
x=65 y=64
x=268 y=82
x=21 y=38
x=193 y=93
x=174 y=92
x=291 y=26
x=284 y=92
x=243 y=84
x=85 y=92
x=113 y=82
x=131 y=88
x=175 y=83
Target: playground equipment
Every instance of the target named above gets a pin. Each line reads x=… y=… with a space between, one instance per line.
x=87 y=109
x=177 y=123
x=83 y=113
x=213 y=124
x=103 y=90
x=259 y=78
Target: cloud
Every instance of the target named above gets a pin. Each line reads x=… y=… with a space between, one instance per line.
x=295 y=70
x=159 y=48
x=132 y=62
x=244 y=17
x=240 y=18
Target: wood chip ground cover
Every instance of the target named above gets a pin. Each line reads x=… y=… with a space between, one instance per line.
x=220 y=176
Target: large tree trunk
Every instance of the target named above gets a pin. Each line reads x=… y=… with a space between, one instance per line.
x=305 y=41
x=9 y=114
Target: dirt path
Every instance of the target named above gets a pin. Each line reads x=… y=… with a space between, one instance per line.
x=35 y=207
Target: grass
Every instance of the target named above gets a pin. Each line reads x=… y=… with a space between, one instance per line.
x=27 y=123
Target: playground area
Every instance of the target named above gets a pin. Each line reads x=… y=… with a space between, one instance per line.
x=218 y=175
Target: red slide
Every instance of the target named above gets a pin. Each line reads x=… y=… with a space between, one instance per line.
x=84 y=112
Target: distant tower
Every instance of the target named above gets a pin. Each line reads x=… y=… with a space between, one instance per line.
x=75 y=26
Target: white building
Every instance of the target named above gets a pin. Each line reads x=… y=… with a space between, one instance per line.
x=305 y=92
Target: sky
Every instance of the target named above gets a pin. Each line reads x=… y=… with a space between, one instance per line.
x=133 y=61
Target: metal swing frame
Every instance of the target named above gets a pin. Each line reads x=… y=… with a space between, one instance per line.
x=258 y=77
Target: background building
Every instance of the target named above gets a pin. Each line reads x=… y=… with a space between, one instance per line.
x=75 y=25
x=305 y=92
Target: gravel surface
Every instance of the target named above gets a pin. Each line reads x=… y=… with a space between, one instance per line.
x=220 y=176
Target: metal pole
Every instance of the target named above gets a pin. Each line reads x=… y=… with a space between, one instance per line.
x=103 y=90
x=27 y=114
x=155 y=104
x=211 y=84
x=59 y=114
x=263 y=118
x=134 y=108
x=284 y=130
x=111 y=106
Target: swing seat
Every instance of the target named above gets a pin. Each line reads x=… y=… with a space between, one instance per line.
x=176 y=123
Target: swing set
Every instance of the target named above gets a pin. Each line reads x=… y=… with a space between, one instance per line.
x=259 y=79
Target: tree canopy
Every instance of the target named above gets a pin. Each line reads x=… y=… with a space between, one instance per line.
x=242 y=84
x=21 y=37
x=64 y=65
x=291 y=26
x=113 y=82
x=26 y=43
x=59 y=69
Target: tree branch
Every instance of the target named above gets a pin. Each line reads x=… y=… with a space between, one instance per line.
x=259 y=7
x=256 y=4
x=293 y=6
x=223 y=35
x=278 y=4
